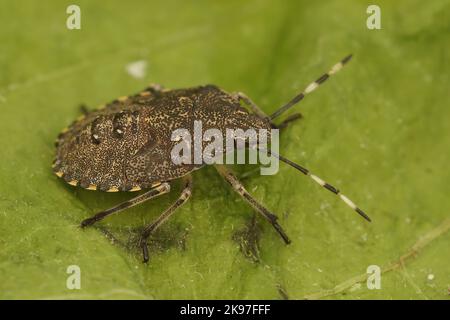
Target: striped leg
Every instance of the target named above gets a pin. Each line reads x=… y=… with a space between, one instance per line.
x=150 y=194
x=148 y=230
x=239 y=188
x=260 y=113
x=310 y=88
x=322 y=183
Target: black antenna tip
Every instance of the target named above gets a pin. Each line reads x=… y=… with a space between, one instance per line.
x=347 y=59
x=362 y=214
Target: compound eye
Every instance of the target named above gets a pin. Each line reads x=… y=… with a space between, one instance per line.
x=95 y=130
x=118 y=132
x=124 y=121
x=95 y=138
x=119 y=123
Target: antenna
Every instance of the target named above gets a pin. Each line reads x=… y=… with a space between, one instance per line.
x=321 y=182
x=311 y=87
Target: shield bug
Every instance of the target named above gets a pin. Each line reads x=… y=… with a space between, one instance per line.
x=126 y=146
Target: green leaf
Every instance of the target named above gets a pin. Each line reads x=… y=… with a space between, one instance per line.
x=379 y=130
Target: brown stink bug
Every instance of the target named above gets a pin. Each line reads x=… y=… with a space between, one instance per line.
x=126 y=145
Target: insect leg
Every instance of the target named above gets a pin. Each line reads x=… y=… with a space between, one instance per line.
x=84 y=109
x=239 y=188
x=257 y=110
x=152 y=193
x=288 y=120
x=184 y=196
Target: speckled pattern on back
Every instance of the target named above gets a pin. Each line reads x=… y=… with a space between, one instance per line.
x=126 y=145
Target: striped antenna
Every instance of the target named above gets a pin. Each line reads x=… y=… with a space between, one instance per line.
x=322 y=183
x=311 y=87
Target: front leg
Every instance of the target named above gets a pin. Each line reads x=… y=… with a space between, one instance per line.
x=283 y=124
x=261 y=114
x=239 y=188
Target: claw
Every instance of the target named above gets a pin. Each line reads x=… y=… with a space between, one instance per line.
x=145 y=250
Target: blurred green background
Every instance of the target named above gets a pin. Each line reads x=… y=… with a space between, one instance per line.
x=379 y=130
